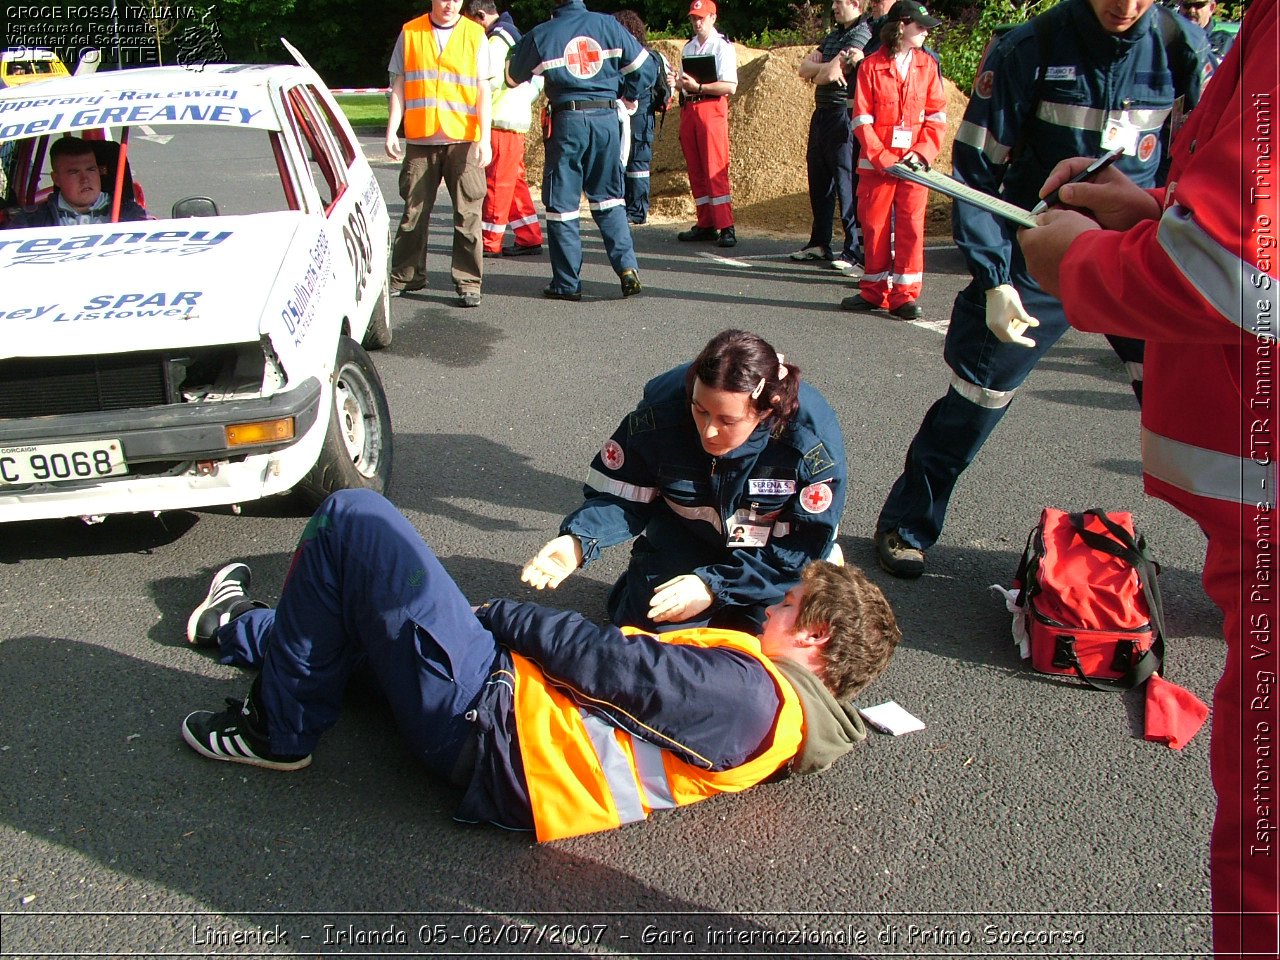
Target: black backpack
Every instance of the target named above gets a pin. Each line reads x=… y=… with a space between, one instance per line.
x=662 y=86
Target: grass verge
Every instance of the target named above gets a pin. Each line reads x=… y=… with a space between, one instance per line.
x=365 y=110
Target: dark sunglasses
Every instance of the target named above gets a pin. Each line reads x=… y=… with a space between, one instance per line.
x=1193 y=6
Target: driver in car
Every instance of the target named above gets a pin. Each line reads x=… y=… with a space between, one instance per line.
x=78 y=196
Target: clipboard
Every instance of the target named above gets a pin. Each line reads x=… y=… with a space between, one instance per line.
x=960 y=191
x=702 y=67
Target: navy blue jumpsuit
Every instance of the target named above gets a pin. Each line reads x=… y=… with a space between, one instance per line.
x=588 y=61
x=1009 y=141
x=366 y=593
x=745 y=523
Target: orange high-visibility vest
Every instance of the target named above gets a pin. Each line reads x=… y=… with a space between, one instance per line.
x=585 y=775
x=441 y=88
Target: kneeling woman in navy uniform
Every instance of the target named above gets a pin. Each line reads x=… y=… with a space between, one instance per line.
x=730 y=474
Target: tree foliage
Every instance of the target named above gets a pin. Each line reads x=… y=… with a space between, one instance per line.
x=968 y=27
x=350 y=44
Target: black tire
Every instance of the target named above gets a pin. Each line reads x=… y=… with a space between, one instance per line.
x=378 y=335
x=358 y=443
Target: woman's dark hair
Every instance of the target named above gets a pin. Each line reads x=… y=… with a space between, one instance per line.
x=739 y=362
x=891 y=36
x=633 y=24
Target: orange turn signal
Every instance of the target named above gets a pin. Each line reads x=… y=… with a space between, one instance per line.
x=259 y=431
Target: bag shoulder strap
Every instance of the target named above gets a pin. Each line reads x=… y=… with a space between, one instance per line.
x=1133 y=550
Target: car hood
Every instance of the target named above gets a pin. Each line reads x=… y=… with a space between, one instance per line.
x=153 y=285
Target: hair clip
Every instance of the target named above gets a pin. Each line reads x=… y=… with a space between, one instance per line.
x=755 y=394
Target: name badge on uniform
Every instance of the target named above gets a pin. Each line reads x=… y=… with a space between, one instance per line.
x=902 y=138
x=770 y=488
x=747 y=531
x=1120 y=133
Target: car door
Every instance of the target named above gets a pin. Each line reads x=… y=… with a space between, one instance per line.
x=350 y=201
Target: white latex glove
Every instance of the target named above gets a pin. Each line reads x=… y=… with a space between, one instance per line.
x=1006 y=317
x=553 y=563
x=679 y=599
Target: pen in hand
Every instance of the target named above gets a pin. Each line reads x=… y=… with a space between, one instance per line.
x=1088 y=173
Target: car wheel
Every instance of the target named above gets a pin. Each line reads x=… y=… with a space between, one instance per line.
x=378 y=335
x=357 y=446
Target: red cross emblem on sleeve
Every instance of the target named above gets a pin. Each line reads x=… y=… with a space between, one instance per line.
x=583 y=57
x=815 y=498
x=611 y=454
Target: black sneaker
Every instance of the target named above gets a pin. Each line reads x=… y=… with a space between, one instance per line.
x=727 y=238
x=236 y=735
x=898 y=557
x=551 y=293
x=630 y=283
x=698 y=234
x=226 y=600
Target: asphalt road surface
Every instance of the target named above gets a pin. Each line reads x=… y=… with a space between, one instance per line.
x=1029 y=818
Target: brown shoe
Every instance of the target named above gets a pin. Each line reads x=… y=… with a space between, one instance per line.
x=898 y=557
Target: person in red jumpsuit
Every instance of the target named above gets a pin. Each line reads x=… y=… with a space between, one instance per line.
x=704 y=127
x=1191 y=269
x=899 y=114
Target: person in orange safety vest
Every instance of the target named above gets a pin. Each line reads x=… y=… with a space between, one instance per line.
x=439 y=74
x=549 y=721
x=1191 y=269
x=899 y=114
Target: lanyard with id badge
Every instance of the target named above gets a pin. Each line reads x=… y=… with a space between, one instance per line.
x=1119 y=133
x=750 y=526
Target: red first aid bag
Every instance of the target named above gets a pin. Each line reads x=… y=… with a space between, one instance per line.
x=1090 y=601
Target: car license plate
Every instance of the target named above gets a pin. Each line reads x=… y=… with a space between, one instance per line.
x=58 y=462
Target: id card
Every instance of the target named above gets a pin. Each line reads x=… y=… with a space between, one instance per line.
x=747 y=531
x=903 y=138
x=1120 y=133
x=1177 y=116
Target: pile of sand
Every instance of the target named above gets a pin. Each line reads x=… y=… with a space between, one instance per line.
x=768 y=132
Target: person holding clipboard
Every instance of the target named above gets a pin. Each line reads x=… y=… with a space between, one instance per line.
x=899 y=115
x=708 y=77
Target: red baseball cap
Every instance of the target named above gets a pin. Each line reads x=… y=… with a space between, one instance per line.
x=702 y=8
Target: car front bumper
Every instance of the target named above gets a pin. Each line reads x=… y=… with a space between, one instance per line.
x=178 y=456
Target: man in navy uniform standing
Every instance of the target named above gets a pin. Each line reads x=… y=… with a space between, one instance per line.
x=589 y=62
x=1080 y=79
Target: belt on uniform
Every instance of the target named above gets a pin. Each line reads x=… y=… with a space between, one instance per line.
x=585 y=105
x=700 y=97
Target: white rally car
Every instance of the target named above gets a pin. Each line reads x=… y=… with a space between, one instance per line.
x=215 y=355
